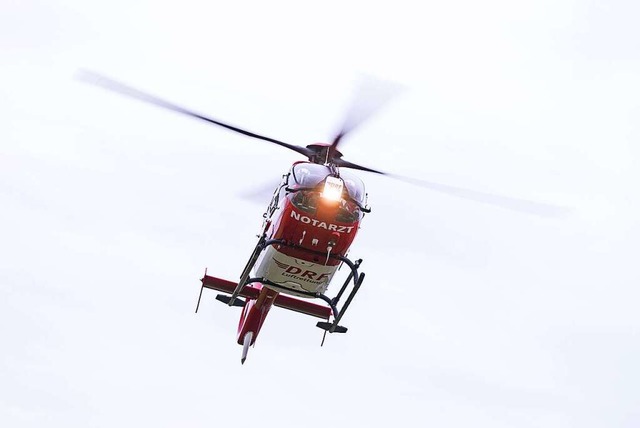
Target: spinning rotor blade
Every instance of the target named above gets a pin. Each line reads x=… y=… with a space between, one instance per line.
x=261 y=193
x=121 y=88
x=514 y=204
x=370 y=96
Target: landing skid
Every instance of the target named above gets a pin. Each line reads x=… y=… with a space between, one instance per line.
x=242 y=292
x=357 y=278
x=227 y=299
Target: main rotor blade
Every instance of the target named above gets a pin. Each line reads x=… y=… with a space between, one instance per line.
x=123 y=89
x=261 y=193
x=514 y=204
x=370 y=96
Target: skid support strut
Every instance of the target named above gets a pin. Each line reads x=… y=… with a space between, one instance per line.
x=357 y=282
x=247 y=270
x=334 y=327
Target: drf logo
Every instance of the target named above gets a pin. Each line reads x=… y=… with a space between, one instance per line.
x=301 y=273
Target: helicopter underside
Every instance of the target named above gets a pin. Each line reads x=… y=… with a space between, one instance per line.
x=293 y=275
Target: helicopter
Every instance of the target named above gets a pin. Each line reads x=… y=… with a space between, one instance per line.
x=309 y=225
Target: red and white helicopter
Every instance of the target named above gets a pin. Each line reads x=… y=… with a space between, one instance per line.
x=308 y=228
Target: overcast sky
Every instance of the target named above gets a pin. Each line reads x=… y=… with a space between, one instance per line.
x=470 y=316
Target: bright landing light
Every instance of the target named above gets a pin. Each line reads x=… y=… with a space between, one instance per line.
x=332 y=189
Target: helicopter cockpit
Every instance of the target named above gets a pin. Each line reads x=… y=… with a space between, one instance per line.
x=310 y=182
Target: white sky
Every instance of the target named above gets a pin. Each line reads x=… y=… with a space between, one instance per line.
x=470 y=315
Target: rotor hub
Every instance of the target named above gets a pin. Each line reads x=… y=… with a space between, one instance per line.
x=323 y=153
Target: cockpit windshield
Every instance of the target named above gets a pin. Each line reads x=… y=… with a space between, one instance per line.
x=309 y=175
x=354 y=186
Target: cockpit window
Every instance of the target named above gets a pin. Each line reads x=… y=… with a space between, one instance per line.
x=348 y=212
x=309 y=175
x=306 y=201
x=354 y=186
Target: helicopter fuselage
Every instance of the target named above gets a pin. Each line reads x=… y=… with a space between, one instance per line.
x=312 y=230
x=308 y=228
